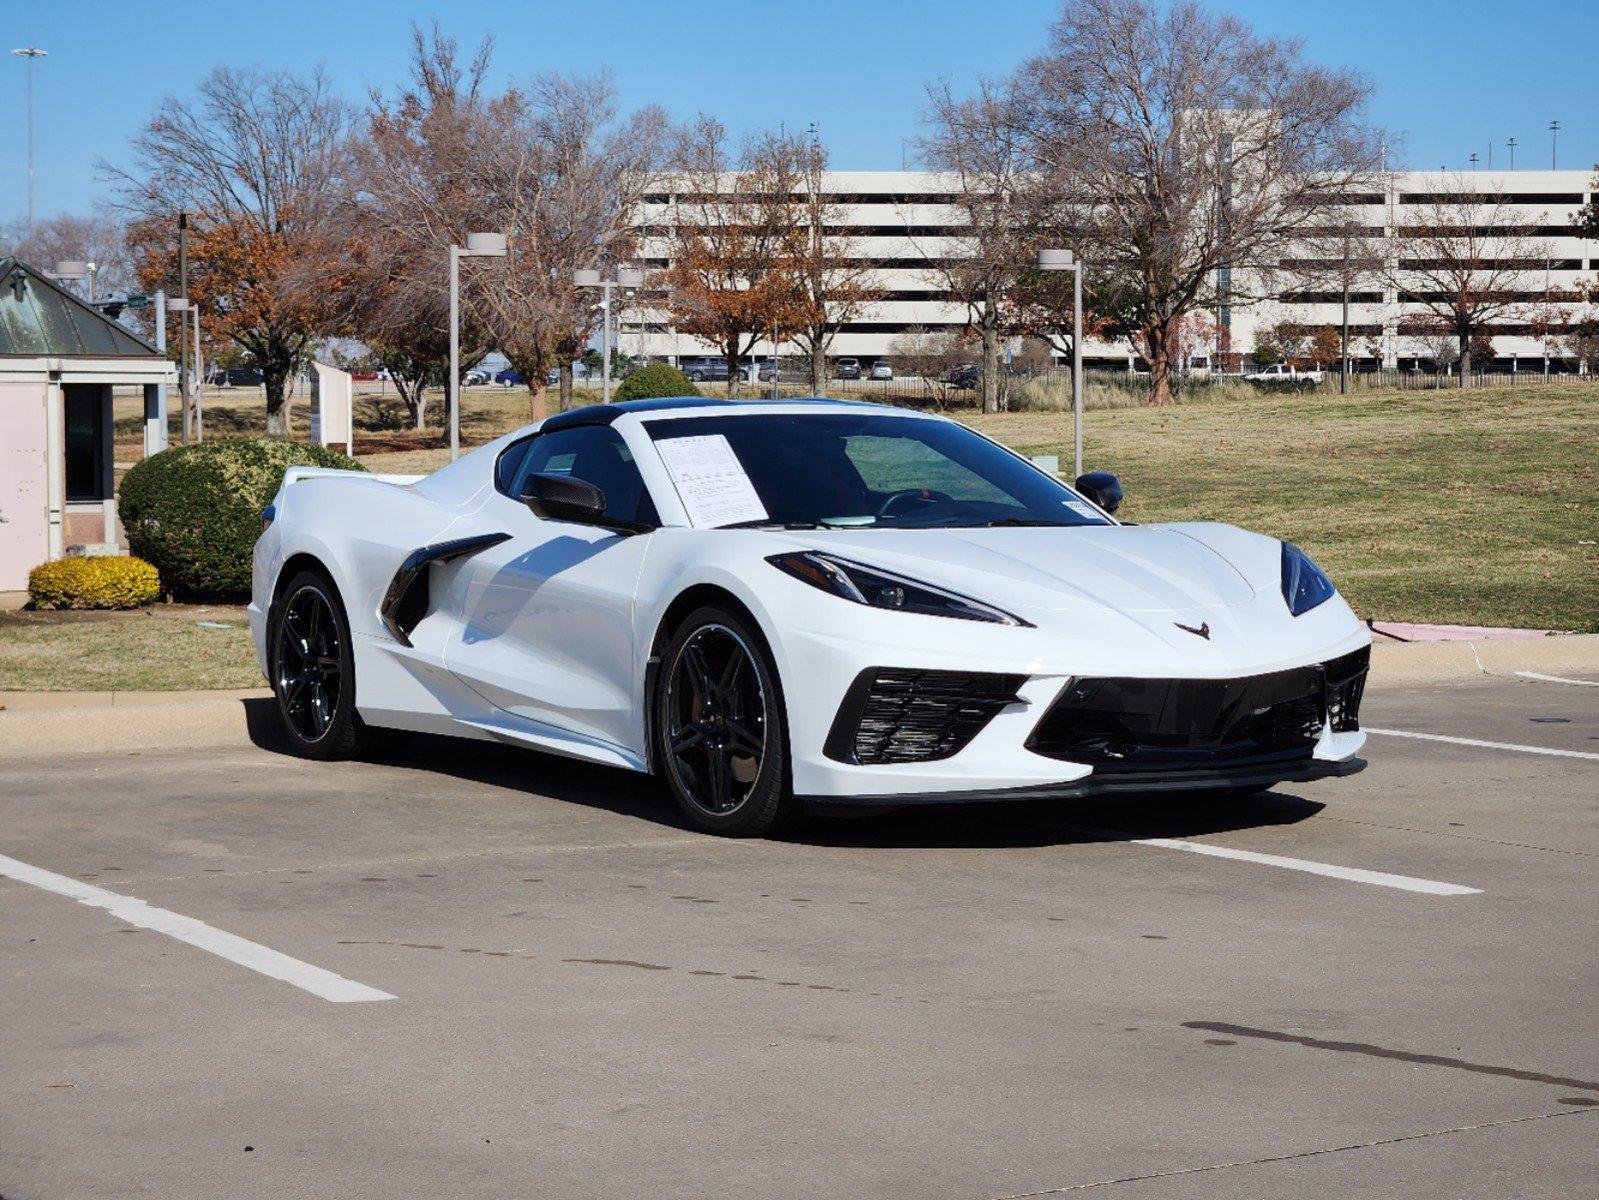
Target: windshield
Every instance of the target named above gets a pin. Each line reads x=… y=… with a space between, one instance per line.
x=864 y=470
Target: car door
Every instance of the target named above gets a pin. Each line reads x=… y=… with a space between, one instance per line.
x=545 y=620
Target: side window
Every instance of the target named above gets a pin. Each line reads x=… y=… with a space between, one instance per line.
x=598 y=455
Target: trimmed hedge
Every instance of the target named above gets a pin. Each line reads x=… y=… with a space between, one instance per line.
x=195 y=511
x=655 y=380
x=100 y=582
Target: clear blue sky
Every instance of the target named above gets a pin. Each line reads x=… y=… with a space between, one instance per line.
x=1452 y=75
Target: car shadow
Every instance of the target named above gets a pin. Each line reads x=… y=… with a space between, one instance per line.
x=992 y=825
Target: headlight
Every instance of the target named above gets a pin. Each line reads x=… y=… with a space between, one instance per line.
x=1305 y=585
x=877 y=588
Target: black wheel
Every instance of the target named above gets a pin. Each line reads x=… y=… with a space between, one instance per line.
x=313 y=670
x=721 y=736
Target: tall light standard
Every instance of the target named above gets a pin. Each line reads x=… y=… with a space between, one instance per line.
x=30 y=53
x=626 y=277
x=478 y=245
x=1065 y=260
x=1554 y=144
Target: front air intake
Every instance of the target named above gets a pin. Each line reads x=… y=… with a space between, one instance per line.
x=892 y=715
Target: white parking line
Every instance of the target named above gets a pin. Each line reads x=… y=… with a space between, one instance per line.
x=1478 y=742
x=1558 y=679
x=235 y=949
x=1404 y=883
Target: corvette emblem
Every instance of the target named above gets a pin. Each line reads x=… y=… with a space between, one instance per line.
x=1203 y=630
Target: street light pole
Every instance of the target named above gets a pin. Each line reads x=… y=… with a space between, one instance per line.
x=1065 y=260
x=626 y=277
x=478 y=245
x=30 y=53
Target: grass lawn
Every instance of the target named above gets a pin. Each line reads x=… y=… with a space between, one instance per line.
x=162 y=648
x=1472 y=508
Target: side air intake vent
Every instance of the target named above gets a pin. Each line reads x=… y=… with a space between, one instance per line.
x=406 y=601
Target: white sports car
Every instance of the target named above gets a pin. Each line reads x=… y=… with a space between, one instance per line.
x=769 y=603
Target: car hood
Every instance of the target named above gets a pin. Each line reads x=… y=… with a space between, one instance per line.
x=1126 y=568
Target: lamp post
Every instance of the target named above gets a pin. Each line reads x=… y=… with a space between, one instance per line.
x=195 y=423
x=478 y=245
x=1065 y=260
x=30 y=53
x=626 y=277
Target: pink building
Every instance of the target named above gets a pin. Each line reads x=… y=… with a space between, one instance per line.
x=60 y=360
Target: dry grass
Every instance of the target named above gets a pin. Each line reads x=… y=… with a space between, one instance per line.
x=1472 y=508
x=162 y=648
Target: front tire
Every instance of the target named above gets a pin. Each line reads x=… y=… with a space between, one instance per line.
x=313 y=670
x=721 y=735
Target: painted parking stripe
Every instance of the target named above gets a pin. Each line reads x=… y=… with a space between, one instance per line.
x=1460 y=741
x=1404 y=883
x=235 y=949
x=1558 y=679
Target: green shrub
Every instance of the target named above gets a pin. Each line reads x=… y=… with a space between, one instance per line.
x=195 y=511
x=101 y=582
x=654 y=380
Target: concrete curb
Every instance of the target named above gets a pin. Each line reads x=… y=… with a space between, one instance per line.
x=42 y=724
x=36 y=701
x=1403 y=664
x=131 y=727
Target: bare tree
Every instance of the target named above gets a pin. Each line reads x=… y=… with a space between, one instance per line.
x=259 y=162
x=415 y=171
x=737 y=242
x=837 y=284
x=101 y=240
x=563 y=176
x=1463 y=260
x=975 y=142
x=934 y=355
x=1187 y=150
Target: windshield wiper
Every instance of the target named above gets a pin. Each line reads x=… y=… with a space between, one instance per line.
x=1023 y=521
x=765 y=523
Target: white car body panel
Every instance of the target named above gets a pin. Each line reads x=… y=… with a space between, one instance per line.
x=545 y=638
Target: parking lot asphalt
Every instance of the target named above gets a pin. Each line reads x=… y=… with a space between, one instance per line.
x=544 y=985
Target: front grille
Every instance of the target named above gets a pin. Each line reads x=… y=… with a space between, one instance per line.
x=1173 y=724
x=903 y=716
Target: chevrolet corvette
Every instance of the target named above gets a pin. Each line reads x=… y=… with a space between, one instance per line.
x=768 y=604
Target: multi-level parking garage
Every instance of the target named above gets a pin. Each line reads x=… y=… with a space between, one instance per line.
x=906 y=222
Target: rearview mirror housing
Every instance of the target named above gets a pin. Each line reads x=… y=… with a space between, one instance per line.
x=1103 y=488
x=562 y=498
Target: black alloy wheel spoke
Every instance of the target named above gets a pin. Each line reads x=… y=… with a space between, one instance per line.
x=700 y=678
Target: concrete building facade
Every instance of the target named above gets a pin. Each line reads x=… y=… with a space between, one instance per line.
x=903 y=222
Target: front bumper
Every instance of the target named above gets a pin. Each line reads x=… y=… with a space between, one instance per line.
x=818 y=667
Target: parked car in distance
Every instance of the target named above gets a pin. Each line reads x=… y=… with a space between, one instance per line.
x=964 y=375
x=847 y=368
x=509 y=378
x=707 y=370
x=881 y=370
x=1284 y=371
x=236 y=377
x=475 y=378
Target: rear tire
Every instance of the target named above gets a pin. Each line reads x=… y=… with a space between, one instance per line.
x=312 y=670
x=720 y=732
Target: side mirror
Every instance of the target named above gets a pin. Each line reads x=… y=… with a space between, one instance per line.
x=562 y=498
x=1103 y=488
